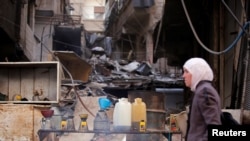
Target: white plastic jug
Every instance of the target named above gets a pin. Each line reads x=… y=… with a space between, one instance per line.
x=122 y=115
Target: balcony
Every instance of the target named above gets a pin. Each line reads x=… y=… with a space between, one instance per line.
x=48 y=17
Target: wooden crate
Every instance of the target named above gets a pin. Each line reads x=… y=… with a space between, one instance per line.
x=25 y=79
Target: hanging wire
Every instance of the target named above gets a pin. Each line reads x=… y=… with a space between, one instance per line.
x=75 y=46
x=66 y=70
x=42 y=36
x=71 y=78
x=67 y=44
x=199 y=41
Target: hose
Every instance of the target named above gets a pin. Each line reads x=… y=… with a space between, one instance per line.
x=199 y=41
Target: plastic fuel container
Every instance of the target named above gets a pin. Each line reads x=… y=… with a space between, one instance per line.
x=122 y=115
x=139 y=115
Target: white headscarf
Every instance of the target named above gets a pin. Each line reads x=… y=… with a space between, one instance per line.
x=200 y=70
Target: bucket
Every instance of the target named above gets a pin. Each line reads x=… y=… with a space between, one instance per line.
x=122 y=115
x=156 y=120
x=178 y=122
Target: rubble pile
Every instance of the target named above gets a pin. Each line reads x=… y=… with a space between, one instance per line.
x=129 y=75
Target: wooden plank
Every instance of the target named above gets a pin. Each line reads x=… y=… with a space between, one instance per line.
x=79 y=69
x=27 y=85
x=14 y=83
x=24 y=78
x=4 y=80
x=54 y=84
x=41 y=81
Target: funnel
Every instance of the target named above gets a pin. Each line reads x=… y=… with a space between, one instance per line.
x=47 y=113
x=83 y=116
x=104 y=103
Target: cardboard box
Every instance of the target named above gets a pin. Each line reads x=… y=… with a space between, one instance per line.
x=76 y=66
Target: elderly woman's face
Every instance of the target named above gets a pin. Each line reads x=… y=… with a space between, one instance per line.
x=187 y=76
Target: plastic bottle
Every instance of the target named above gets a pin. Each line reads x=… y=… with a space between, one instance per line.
x=122 y=115
x=139 y=115
x=101 y=121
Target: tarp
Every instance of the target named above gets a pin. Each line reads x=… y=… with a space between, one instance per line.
x=94 y=40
